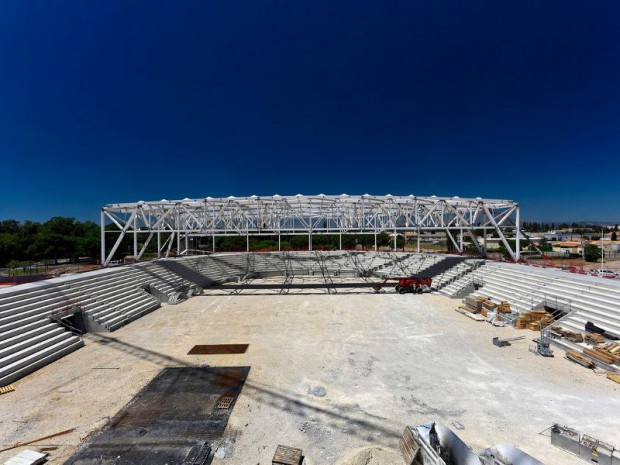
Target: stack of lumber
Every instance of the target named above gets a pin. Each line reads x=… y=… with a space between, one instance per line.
x=613 y=376
x=595 y=338
x=472 y=305
x=600 y=355
x=488 y=304
x=568 y=334
x=504 y=307
x=579 y=358
x=474 y=316
x=533 y=320
x=611 y=350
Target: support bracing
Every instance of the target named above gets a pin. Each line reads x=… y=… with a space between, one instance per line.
x=307 y=215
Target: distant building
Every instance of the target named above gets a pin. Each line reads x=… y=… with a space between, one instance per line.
x=608 y=245
x=568 y=247
x=566 y=236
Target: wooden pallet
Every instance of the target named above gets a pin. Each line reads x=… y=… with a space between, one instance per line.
x=6 y=389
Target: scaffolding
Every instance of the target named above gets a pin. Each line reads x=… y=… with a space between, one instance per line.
x=176 y=222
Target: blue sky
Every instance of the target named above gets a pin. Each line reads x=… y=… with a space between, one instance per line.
x=111 y=101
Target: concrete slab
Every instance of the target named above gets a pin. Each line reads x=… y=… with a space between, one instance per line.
x=384 y=361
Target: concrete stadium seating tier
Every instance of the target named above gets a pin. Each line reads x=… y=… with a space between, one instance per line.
x=29 y=339
x=110 y=298
x=582 y=298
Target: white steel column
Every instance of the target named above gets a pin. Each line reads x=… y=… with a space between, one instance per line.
x=158 y=243
x=102 y=237
x=418 y=240
x=135 y=237
x=456 y=246
x=518 y=243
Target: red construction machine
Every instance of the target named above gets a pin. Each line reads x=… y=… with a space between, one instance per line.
x=413 y=284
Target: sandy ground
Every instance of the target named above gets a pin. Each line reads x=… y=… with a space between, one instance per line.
x=383 y=361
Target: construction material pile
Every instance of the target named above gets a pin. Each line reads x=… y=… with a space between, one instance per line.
x=504 y=307
x=533 y=320
x=595 y=338
x=568 y=334
x=606 y=353
x=473 y=305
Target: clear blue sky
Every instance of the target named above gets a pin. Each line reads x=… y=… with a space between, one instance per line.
x=109 y=101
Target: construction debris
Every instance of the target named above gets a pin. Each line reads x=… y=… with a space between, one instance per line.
x=27 y=457
x=7 y=389
x=579 y=358
x=506 y=342
x=435 y=444
x=20 y=444
x=595 y=338
x=613 y=376
x=467 y=313
x=568 y=334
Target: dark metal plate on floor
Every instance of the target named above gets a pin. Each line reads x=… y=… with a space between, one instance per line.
x=175 y=419
x=214 y=349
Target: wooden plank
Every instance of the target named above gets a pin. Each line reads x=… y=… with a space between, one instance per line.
x=613 y=376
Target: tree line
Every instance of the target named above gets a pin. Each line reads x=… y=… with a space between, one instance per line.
x=533 y=226
x=51 y=240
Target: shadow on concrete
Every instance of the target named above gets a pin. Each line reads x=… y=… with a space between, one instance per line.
x=341 y=417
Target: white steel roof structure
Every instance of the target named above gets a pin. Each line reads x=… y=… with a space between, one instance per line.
x=306 y=214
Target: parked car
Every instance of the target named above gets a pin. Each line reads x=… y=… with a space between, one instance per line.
x=604 y=273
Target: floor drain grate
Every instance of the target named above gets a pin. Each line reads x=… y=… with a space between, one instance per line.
x=225 y=402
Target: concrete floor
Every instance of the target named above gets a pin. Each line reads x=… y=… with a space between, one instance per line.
x=384 y=360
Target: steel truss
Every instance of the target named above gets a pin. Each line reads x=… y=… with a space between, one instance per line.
x=179 y=220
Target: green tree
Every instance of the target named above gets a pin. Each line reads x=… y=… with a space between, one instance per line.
x=614 y=236
x=383 y=239
x=591 y=253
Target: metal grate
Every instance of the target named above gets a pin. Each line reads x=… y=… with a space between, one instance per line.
x=225 y=402
x=287 y=456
